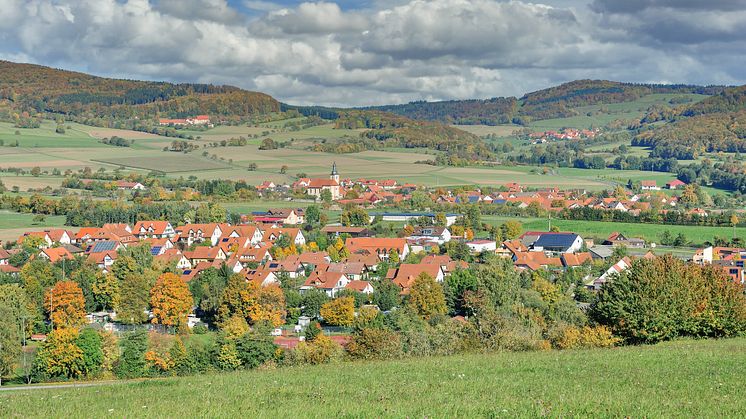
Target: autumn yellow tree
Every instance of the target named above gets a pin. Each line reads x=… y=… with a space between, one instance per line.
x=265 y=304
x=60 y=356
x=170 y=300
x=339 y=312
x=252 y=302
x=65 y=304
x=426 y=297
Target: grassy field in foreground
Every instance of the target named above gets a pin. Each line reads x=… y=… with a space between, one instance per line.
x=676 y=379
x=602 y=230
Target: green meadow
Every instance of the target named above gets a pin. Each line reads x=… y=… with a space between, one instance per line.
x=599 y=115
x=602 y=230
x=13 y=224
x=686 y=378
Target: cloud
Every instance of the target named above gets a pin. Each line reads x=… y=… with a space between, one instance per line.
x=312 y=18
x=685 y=22
x=213 y=10
x=382 y=51
x=263 y=6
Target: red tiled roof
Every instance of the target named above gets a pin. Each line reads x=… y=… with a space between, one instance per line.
x=319 y=183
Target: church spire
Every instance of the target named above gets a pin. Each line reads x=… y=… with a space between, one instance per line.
x=334 y=176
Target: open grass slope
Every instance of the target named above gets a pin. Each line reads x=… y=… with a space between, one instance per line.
x=676 y=379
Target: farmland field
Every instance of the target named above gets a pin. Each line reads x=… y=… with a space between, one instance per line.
x=481 y=130
x=685 y=378
x=175 y=163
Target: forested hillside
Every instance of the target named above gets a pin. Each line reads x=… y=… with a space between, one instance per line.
x=32 y=89
x=555 y=102
x=729 y=100
x=397 y=131
x=498 y=110
x=715 y=124
x=687 y=138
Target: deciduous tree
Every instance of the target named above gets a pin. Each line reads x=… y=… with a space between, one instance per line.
x=339 y=312
x=66 y=305
x=170 y=300
x=426 y=297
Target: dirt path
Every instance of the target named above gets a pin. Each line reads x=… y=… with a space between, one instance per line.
x=63 y=386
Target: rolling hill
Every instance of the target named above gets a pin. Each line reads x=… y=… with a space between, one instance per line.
x=715 y=124
x=36 y=89
x=555 y=102
x=29 y=93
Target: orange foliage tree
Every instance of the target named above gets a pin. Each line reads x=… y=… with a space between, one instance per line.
x=252 y=302
x=170 y=300
x=66 y=304
x=339 y=312
x=265 y=304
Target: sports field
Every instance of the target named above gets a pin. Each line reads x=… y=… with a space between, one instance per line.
x=684 y=378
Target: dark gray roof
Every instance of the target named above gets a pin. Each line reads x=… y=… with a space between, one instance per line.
x=557 y=240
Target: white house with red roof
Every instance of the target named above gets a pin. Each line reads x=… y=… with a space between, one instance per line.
x=675 y=184
x=153 y=229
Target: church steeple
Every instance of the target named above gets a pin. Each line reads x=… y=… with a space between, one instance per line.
x=334 y=176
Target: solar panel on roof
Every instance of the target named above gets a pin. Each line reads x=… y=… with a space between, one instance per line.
x=556 y=240
x=155 y=250
x=104 y=246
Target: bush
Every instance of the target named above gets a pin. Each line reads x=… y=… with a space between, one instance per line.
x=665 y=298
x=254 y=351
x=89 y=341
x=200 y=329
x=321 y=350
x=59 y=357
x=571 y=337
x=375 y=344
x=131 y=363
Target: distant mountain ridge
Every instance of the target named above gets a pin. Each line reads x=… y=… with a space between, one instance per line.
x=554 y=102
x=33 y=88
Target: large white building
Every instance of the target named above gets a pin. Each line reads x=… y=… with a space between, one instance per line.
x=317 y=186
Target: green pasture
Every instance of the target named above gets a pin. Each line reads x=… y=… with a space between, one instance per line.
x=685 y=378
x=13 y=225
x=601 y=115
x=601 y=229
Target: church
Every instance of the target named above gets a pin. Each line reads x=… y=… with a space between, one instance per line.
x=316 y=186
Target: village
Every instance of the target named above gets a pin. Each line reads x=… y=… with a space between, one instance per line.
x=270 y=247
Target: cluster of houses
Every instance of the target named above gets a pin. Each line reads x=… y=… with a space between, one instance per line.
x=246 y=250
x=554 y=199
x=731 y=259
x=550 y=199
x=563 y=134
x=374 y=191
x=192 y=120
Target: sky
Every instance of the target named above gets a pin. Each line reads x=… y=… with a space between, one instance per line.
x=369 y=52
